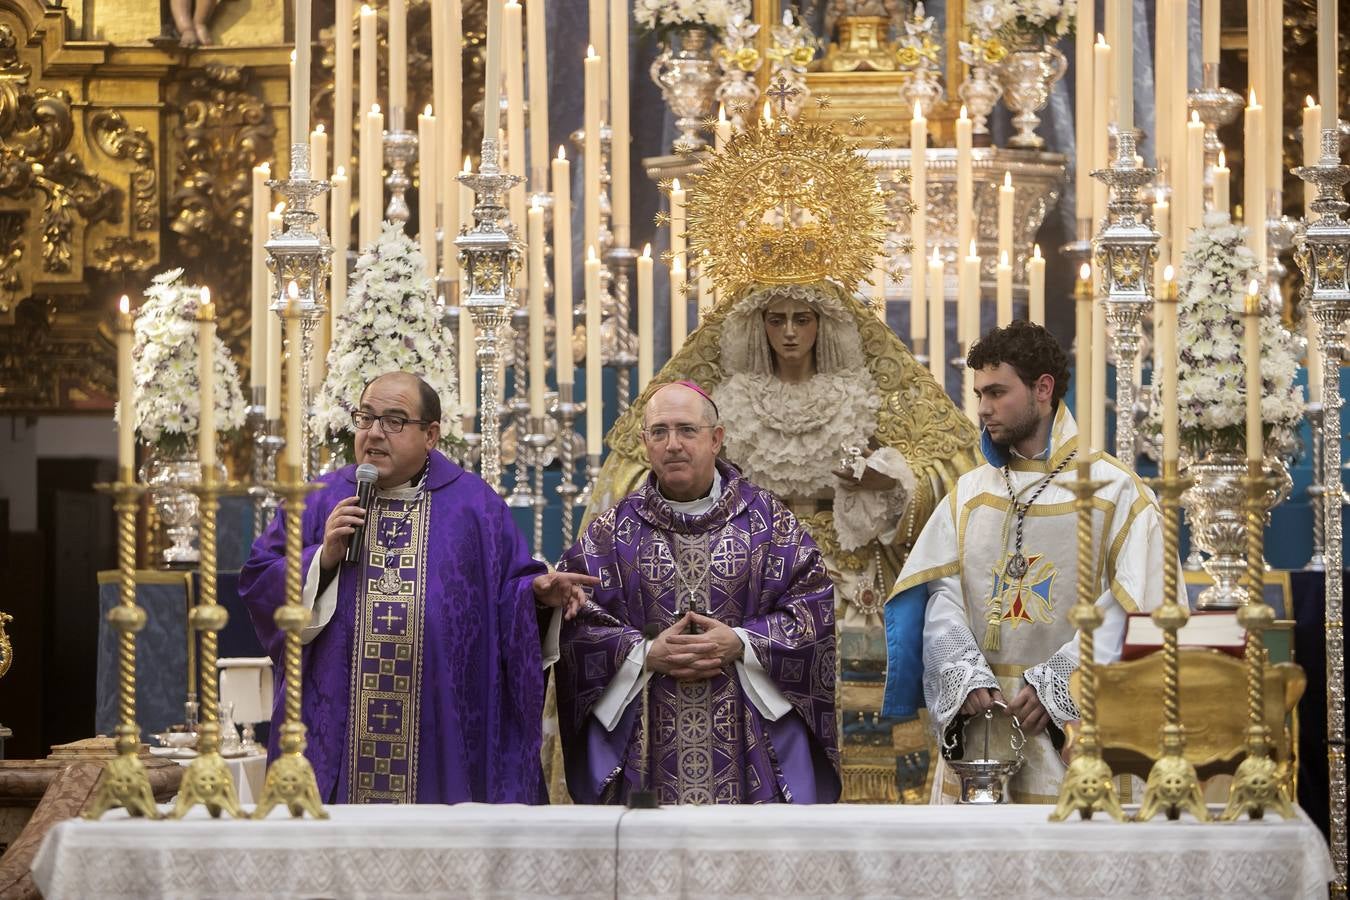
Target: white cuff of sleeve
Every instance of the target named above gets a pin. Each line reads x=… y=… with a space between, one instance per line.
x=759 y=687
x=550 y=646
x=623 y=689
x=321 y=606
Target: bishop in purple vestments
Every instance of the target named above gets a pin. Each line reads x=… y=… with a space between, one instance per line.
x=423 y=671
x=742 y=671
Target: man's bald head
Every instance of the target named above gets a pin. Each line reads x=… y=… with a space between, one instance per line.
x=428 y=400
x=678 y=397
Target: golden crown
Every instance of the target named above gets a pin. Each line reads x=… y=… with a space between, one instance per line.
x=786 y=203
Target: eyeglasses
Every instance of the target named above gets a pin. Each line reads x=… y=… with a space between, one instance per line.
x=685 y=433
x=390 y=424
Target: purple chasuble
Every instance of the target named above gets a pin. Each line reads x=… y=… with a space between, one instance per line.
x=427 y=684
x=746 y=562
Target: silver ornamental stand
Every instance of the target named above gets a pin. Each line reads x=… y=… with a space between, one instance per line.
x=400 y=149
x=1126 y=250
x=489 y=258
x=301 y=254
x=1324 y=255
x=566 y=410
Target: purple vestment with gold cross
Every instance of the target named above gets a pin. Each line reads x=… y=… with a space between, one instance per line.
x=748 y=563
x=427 y=685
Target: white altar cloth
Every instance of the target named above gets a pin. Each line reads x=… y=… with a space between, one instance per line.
x=476 y=850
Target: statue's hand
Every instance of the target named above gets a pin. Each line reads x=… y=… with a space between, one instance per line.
x=870 y=480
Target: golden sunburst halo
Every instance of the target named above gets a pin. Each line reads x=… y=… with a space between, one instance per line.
x=786 y=202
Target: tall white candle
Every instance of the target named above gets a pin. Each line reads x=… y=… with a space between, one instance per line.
x=1005 y=290
x=918 y=223
x=590 y=162
x=262 y=203
x=536 y=46
x=342 y=236
x=1165 y=365
x=620 y=205
x=537 y=363
x=368 y=85
x=206 y=380
x=1328 y=39
x=969 y=318
x=937 y=316
x=1162 y=92
x=1101 y=84
x=679 y=306
x=1251 y=340
x=562 y=268
x=723 y=133
x=645 y=317
x=1210 y=25
x=677 y=222
x=451 y=119
x=372 y=172
x=467 y=344
x=318 y=170
x=343 y=63
x=1124 y=63
x=1222 y=175
x=1005 y=217
x=398 y=64
x=594 y=362
x=1084 y=28
x=273 y=349
x=965 y=191
x=1162 y=224
x=1036 y=286
x=599 y=39
x=126 y=392
x=1082 y=370
x=1195 y=172
x=304 y=37
x=1253 y=179
x=1312 y=140
x=512 y=25
x=426 y=201
x=492 y=88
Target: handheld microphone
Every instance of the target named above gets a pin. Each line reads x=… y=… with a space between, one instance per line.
x=365 y=490
x=646 y=798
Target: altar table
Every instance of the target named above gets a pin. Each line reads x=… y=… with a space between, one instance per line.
x=474 y=850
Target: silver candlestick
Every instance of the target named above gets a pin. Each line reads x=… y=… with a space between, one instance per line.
x=592 y=474
x=400 y=149
x=1217 y=107
x=1324 y=256
x=489 y=257
x=617 y=340
x=534 y=445
x=1317 y=562
x=300 y=255
x=255 y=424
x=517 y=406
x=1126 y=250
x=566 y=411
x=267 y=444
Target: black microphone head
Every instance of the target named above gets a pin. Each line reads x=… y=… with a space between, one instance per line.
x=367 y=473
x=651 y=631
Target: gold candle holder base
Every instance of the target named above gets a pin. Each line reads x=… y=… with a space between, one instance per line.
x=207 y=781
x=1259 y=784
x=1173 y=786
x=290 y=777
x=125 y=783
x=1088 y=786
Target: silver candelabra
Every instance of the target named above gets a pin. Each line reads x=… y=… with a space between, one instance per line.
x=301 y=255
x=1324 y=256
x=400 y=149
x=489 y=256
x=566 y=410
x=1126 y=249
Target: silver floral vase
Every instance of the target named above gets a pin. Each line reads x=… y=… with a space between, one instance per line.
x=687 y=76
x=980 y=93
x=1216 y=512
x=922 y=87
x=171 y=475
x=1027 y=74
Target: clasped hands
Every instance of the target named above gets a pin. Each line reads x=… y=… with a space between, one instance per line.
x=694 y=657
x=869 y=480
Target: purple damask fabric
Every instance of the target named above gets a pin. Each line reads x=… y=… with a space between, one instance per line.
x=427 y=684
x=747 y=562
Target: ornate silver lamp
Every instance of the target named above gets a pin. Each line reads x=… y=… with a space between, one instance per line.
x=1323 y=253
x=1126 y=250
x=489 y=259
x=301 y=255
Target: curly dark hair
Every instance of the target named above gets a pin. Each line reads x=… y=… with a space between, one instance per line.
x=1029 y=349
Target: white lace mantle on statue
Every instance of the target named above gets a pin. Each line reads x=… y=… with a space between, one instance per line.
x=789 y=437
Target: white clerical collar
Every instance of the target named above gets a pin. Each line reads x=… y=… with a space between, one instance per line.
x=408 y=490
x=702 y=504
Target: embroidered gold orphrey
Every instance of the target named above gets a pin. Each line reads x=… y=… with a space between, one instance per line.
x=387 y=664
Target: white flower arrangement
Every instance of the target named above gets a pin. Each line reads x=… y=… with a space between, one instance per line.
x=1211 y=374
x=1052 y=18
x=659 y=16
x=167 y=392
x=392 y=323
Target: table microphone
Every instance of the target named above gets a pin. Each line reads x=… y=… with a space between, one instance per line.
x=366 y=474
x=646 y=797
